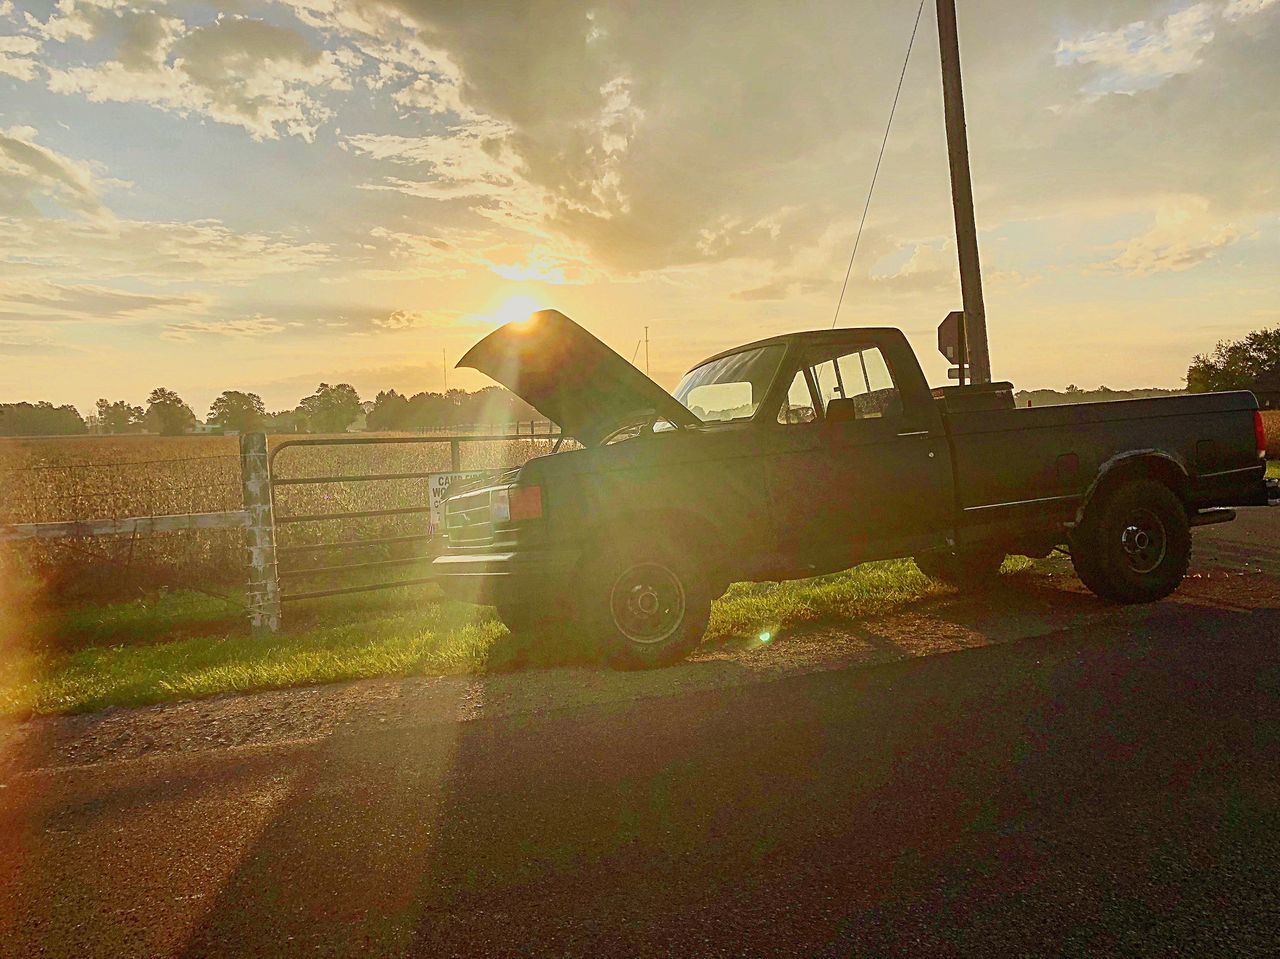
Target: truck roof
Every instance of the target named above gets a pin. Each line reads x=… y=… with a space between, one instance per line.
x=809 y=336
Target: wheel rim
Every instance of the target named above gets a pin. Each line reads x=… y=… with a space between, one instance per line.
x=1143 y=541
x=647 y=602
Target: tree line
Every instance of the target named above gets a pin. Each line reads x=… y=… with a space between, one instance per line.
x=1236 y=364
x=332 y=408
x=1232 y=365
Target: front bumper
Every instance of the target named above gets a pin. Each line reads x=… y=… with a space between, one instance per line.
x=506 y=577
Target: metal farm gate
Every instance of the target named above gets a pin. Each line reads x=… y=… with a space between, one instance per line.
x=271 y=569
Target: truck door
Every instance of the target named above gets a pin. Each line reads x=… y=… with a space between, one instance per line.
x=857 y=470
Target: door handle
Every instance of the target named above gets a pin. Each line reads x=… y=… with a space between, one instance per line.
x=916 y=433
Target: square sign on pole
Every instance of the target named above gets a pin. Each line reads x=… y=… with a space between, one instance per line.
x=951 y=344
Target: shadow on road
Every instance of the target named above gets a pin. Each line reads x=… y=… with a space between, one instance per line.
x=1101 y=790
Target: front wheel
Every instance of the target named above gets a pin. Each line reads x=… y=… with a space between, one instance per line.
x=1134 y=543
x=648 y=604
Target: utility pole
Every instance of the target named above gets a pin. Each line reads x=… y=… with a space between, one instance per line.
x=646 y=351
x=444 y=369
x=975 y=313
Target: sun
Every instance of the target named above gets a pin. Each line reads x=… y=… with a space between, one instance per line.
x=516 y=308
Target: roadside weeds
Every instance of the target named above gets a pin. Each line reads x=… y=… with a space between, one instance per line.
x=397 y=633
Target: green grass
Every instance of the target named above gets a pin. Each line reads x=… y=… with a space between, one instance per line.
x=1273 y=469
x=110 y=656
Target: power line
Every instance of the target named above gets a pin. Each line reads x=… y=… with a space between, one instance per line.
x=874 y=176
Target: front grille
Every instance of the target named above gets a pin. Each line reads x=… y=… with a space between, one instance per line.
x=469 y=519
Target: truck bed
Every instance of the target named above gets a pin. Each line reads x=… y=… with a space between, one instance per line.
x=1014 y=464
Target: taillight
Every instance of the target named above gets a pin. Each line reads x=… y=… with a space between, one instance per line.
x=526 y=503
x=1260 y=434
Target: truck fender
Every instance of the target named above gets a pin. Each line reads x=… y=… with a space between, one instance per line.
x=694 y=529
x=1165 y=466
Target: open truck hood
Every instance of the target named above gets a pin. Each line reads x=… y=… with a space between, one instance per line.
x=571 y=378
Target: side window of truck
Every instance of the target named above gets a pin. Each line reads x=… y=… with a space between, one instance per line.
x=798 y=406
x=862 y=376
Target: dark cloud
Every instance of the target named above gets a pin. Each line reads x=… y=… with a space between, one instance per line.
x=670 y=133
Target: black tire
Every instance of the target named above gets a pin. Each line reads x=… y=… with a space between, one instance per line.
x=1133 y=544
x=971 y=568
x=646 y=603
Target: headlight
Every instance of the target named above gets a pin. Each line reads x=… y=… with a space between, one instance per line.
x=515 y=504
x=500 y=505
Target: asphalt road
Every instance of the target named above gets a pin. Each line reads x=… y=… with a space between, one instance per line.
x=1107 y=786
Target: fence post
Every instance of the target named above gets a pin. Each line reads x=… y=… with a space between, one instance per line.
x=455 y=456
x=260 y=537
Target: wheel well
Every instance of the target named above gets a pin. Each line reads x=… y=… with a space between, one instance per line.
x=1154 y=466
x=690 y=530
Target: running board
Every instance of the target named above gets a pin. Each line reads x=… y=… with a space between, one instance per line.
x=1211 y=516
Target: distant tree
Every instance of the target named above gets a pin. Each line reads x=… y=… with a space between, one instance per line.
x=331 y=409
x=119 y=417
x=167 y=414
x=1072 y=388
x=234 y=410
x=287 y=421
x=1236 y=364
x=390 y=412
x=40 y=419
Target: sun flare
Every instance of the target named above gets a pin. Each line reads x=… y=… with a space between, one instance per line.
x=515 y=308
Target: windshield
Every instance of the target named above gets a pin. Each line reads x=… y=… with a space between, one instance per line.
x=732 y=387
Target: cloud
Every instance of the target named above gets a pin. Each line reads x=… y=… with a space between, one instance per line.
x=31 y=174
x=781 y=288
x=929 y=268
x=52 y=301
x=159 y=252
x=541 y=264
x=467 y=161
x=400 y=320
x=18 y=56
x=1185 y=234
x=1242 y=9
x=10 y=346
x=246 y=327
x=249 y=73
x=1142 y=54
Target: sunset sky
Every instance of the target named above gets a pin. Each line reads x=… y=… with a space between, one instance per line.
x=263 y=195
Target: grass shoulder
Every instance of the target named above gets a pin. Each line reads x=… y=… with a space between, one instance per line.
x=184 y=645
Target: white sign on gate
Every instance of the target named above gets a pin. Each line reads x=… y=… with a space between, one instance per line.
x=439 y=486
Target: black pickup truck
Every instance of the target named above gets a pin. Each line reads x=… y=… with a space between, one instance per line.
x=809 y=453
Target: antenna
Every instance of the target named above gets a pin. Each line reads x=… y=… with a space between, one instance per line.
x=444 y=369
x=646 y=351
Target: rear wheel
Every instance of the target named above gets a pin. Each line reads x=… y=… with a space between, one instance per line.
x=968 y=568
x=1133 y=544
x=646 y=603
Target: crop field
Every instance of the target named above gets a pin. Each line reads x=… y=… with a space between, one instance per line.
x=85 y=478
x=1271 y=419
